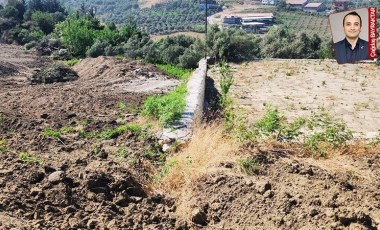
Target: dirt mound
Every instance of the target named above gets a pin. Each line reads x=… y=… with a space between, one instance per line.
x=291 y=193
x=112 y=67
x=54 y=73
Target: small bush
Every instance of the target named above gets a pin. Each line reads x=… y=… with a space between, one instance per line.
x=97 y=49
x=30 y=45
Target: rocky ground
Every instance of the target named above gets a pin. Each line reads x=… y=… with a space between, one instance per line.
x=76 y=155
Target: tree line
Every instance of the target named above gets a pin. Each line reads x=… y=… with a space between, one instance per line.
x=46 y=26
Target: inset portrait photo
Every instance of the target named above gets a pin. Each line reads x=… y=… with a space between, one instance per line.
x=354 y=35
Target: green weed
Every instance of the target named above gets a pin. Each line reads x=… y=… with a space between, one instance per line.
x=88 y=135
x=3 y=119
x=178 y=72
x=167 y=108
x=270 y=122
x=29 y=158
x=66 y=129
x=226 y=82
x=51 y=133
x=82 y=122
x=113 y=133
x=327 y=133
x=249 y=166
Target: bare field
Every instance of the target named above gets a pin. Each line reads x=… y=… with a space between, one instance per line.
x=300 y=87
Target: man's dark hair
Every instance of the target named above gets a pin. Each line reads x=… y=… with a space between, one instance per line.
x=355 y=14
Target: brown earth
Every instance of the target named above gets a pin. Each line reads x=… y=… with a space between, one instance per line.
x=80 y=180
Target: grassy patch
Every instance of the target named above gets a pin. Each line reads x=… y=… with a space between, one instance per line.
x=318 y=133
x=177 y=72
x=167 y=108
x=30 y=158
x=51 y=133
x=113 y=133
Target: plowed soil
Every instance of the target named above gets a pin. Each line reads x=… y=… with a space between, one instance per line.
x=71 y=181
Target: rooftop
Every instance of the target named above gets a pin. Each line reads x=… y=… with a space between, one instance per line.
x=296 y=2
x=248 y=15
x=314 y=4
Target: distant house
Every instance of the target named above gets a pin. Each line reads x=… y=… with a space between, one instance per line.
x=269 y=2
x=340 y=5
x=297 y=4
x=315 y=7
x=231 y=20
x=250 y=22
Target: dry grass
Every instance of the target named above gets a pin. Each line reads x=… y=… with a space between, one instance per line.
x=206 y=150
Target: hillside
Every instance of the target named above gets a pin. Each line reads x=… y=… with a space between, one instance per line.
x=163 y=18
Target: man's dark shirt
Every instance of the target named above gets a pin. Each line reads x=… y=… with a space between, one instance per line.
x=344 y=53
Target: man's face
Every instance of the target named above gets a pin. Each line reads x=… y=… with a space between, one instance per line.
x=352 y=26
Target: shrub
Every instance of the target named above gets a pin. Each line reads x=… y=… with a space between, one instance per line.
x=97 y=49
x=44 y=20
